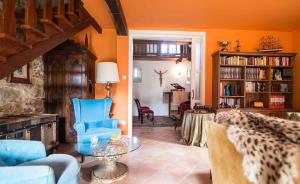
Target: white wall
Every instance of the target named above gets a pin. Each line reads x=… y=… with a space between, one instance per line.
x=149 y=91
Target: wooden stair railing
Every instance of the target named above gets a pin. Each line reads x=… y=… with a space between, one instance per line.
x=60 y=16
x=9 y=44
x=30 y=31
x=46 y=19
x=32 y=34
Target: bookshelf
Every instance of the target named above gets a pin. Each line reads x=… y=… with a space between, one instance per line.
x=242 y=78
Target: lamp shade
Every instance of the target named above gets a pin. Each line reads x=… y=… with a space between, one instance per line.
x=107 y=72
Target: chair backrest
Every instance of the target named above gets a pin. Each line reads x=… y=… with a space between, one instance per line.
x=138 y=104
x=91 y=110
x=184 y=106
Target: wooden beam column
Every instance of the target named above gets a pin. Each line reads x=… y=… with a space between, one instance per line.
x=116 y=11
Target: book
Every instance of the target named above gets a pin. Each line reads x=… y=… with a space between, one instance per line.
x=277 y=101
x=256 y=74
x=279 y=61
x=230 y=102
x=231 y=73
x=230 y=89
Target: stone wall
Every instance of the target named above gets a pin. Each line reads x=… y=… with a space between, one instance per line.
x=17 y=98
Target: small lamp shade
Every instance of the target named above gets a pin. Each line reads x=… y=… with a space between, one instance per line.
x=107 y=72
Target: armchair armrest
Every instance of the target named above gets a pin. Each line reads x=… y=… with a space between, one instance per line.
x=14 y=152
x=27 y=174
x=80 y=127
x=110 y=123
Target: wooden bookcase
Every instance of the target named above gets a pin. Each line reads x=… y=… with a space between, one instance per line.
x=242 y=78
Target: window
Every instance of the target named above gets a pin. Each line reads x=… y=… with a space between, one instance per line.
x=161 y=50
x=137 y=75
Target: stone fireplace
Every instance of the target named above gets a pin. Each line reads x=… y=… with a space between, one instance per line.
x=18 y=98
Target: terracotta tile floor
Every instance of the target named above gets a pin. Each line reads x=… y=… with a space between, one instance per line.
x=160 y=160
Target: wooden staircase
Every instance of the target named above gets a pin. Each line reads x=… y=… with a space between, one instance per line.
x=32 y=28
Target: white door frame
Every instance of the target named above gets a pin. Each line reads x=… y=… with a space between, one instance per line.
x=154 y=34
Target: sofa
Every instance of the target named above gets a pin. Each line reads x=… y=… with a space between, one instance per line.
x=225 y=160
x=92 y=119
x=25 y=162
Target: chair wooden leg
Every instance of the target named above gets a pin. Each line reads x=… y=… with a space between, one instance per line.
x=82 y=158
x=142 y=119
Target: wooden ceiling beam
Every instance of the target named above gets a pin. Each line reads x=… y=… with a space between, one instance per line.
x=118 y=16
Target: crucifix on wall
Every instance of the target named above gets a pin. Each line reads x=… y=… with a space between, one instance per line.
x=160 y=73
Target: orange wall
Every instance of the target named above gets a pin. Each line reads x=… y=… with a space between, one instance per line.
x=249 y=40
x=109 y=46
x=104 y=45
x=296 y=46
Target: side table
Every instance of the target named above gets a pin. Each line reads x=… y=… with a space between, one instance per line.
x=193 y=128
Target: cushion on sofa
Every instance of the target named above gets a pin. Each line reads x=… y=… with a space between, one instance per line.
x=2 y=163
x=65 y=167
x=102 y=131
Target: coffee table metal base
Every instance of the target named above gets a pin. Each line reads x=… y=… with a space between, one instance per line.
x=109 y=172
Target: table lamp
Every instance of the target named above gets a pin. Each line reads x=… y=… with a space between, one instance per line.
x=107 y=73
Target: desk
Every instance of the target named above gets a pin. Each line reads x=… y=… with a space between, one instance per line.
x=174 y=99
x=193 y=128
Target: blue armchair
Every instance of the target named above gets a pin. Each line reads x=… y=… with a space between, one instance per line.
x=92 y=119
x=24 y=161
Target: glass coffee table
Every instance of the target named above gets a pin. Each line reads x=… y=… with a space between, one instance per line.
x=109 y=151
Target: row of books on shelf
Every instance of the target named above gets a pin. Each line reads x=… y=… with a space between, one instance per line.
x=231 y=73
x=241 y=60
x=281 y=74
x=230 y=89
x=283 y=87
x=279 y=61
x=233 y=60
x=255 y=61
x=252 y=87
x=230 y=102
x=256 y=73
x=277 y=101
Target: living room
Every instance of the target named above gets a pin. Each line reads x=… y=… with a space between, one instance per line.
x=63 y=64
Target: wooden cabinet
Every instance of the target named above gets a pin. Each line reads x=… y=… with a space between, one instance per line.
x=253 y=81
x=69 y=70
x=37 y=127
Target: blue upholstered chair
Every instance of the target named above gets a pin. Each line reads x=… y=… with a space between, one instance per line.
x=25 y=162
x=92 y=119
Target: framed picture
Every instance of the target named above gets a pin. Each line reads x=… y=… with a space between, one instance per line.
x=21 y=75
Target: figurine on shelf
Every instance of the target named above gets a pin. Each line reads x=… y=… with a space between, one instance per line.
x=269 y=44
x=223 y=45
x=238 y=46
x=227 y=90
x=277 y=75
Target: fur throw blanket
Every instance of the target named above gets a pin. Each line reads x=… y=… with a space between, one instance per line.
x=269 y=145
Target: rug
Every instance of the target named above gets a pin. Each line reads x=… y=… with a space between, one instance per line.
x=159 y=121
